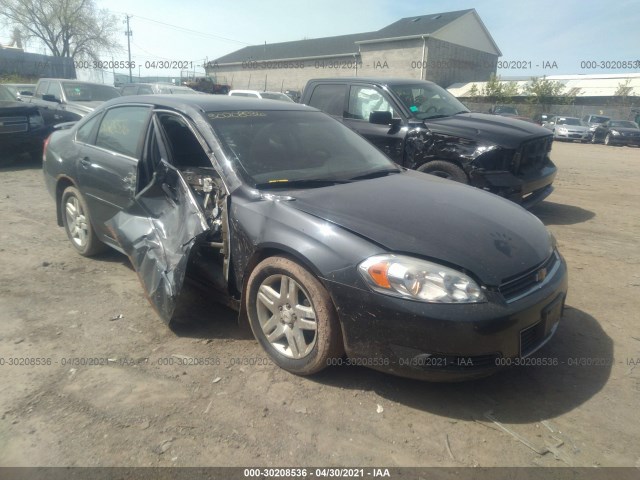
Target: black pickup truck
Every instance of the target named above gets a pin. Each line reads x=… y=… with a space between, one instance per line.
x=60 y=100
x=421 y=126
x=22 y=129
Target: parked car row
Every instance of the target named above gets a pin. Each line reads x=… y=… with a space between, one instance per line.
x=30 y=112
x=594 y=129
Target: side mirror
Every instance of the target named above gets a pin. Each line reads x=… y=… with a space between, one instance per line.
x=50 y=98
x=381 y=118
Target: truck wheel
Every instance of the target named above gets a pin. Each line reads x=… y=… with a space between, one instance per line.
x=292 y=316
x=608 y=140
x=444 y=169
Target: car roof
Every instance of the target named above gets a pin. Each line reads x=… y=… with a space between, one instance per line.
x=67 y=80
x=377 y=80
x=208 y=103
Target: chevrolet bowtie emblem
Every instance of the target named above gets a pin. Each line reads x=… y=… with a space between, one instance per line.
x=541 y=275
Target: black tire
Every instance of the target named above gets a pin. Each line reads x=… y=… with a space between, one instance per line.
x=593 y=139
x=80 y=232
x=444 y=169
x=292 y=347
x=608 y=140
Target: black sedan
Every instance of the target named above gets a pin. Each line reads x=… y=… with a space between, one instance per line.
x=617 y=132
x=323 y=244
x=22 y=129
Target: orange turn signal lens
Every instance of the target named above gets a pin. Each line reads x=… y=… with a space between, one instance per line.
x=378 y=273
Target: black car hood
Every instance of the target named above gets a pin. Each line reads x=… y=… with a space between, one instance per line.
x=503 y=131
x=426 y=216
x=16 y=108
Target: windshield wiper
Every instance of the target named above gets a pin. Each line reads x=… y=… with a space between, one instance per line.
x=375 y=174
x=301 y=183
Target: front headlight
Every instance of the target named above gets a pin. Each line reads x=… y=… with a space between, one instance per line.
x=415 y=279
x=615 y=132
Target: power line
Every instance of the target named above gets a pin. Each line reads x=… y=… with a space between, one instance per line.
x=196 y=32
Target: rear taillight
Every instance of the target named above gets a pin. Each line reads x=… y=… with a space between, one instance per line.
x=44 y=149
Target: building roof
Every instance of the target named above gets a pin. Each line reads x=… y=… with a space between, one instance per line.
x=342 y=45
x=420 y=25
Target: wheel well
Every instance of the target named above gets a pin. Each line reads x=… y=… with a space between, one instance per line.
x=258 y=256
x=447 y=160
x=61 y=186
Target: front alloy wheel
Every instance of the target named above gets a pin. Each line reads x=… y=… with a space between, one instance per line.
x=292 y=316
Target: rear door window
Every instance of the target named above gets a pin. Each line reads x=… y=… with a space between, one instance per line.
x=122 y=130
x=329 y=98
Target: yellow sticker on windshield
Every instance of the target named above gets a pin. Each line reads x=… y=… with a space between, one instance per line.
x=278 y=181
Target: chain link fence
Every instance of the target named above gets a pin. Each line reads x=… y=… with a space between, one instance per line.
x=531 y=111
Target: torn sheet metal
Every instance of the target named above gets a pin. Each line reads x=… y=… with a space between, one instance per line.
x=157 y=232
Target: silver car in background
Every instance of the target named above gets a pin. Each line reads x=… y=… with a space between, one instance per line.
x=568 y=128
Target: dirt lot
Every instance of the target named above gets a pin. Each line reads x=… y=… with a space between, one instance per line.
x=65 y=309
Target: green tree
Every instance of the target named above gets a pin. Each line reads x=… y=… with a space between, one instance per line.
x=69 y=28
x=497 y=91
x=474 y=92
x=622 y=95
x=542 y=91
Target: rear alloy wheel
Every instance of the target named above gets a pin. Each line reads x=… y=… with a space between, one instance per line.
x=292 y=316
x=444 y=169
x=77 y=223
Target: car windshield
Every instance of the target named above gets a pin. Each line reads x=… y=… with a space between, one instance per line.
x=569 y=121
x=277 y=149
x=595 y=119
x=622 y=124
x=6 y=95
x=275 y=96
x=428 y=101
x=503 y=109
x=87 y=92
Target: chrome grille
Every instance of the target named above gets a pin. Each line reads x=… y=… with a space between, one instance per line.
x=13 y=124
x=519 y=286
x=532 y=155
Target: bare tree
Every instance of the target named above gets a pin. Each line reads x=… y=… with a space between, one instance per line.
x=69 y=28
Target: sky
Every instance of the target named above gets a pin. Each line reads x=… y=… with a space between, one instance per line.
x=566 y=36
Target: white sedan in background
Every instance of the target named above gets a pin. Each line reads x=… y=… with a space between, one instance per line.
x=256 y=94
x=568 y=128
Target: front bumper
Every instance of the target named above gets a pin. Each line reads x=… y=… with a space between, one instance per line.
x=24 y=142
x=625 y=140
x=445 y=342
x=571 y=136
x=527 y=190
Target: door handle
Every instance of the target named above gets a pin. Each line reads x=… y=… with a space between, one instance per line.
x=85 y=162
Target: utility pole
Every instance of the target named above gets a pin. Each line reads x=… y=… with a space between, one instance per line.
x=128 y=33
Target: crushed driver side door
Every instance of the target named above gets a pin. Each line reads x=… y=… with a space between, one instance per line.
x=158 y=230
